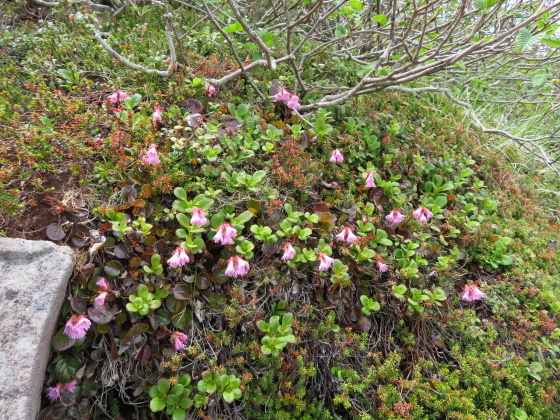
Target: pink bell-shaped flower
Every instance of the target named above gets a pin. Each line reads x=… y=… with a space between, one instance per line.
x=157 y=115
x=225 y=234
x=370 y=180
x=198 y=218
x=422 y=214
x=471 y=293
x=382 y=267
x=293 y=103
x=237 y=266
x=179 y=258
x=179 y=340
x=325 y=261
x=151 y=156
x=336 y=156
x=395 y=217
x=117 y=96
x=289 y=251
x=347 y=235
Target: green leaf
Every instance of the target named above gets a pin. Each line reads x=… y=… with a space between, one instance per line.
x=382 y=19
x=340 y=30
x=244 y=217
x=179 y=414
x=157 y=404
x=183 y=220
x=180 y=193
x=234 y=27
x=356 y=4
x=539 y=79
x=65 y=369
x=525 y=40
x=182 y=319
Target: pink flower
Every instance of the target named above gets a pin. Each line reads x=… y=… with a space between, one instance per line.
x=283 y=95
x=336 y=156
x=422 y=214
x=289 y=251
x=53 y=393
x=211 y=90
x=382 y=267
x=151 y=157
x=117 y=96
x=225 y=234
x=347 y=235
x=100 y=300
x=293 y=103
x=395 y=217
x=370 y=181
x=325 y=261
x=472 y=293
x=157 y=115
x=70 y=386
x=179 y=340
x=179 y=258
x=101 y=282
x=237 y=266
x=77 y=326
x=198 y=218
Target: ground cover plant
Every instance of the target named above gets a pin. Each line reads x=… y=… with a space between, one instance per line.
x=236 y=259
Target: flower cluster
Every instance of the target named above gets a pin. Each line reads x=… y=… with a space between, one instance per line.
x=117 y=96
x=77 y=326
x=179 y=339
x=53 y=393
x=291 y=101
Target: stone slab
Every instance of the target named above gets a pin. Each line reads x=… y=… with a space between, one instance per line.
x=33 y=280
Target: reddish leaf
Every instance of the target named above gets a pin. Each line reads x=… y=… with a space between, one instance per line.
x=113 y=268
x=121 y=251
x=128 y=193
x=321 y=207
x=194 y=106
x=55 y=232
x=404 y=233
x=77 y=240
x=182 y=292
x=269 y=248
x=390 y=231
x=376 y=195
x=364 y=323
x=144 y=354
x=101 y=315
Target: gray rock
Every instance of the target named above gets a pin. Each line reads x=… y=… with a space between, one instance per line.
x=34 y=276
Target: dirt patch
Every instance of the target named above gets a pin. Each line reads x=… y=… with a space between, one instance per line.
x=59 y=203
